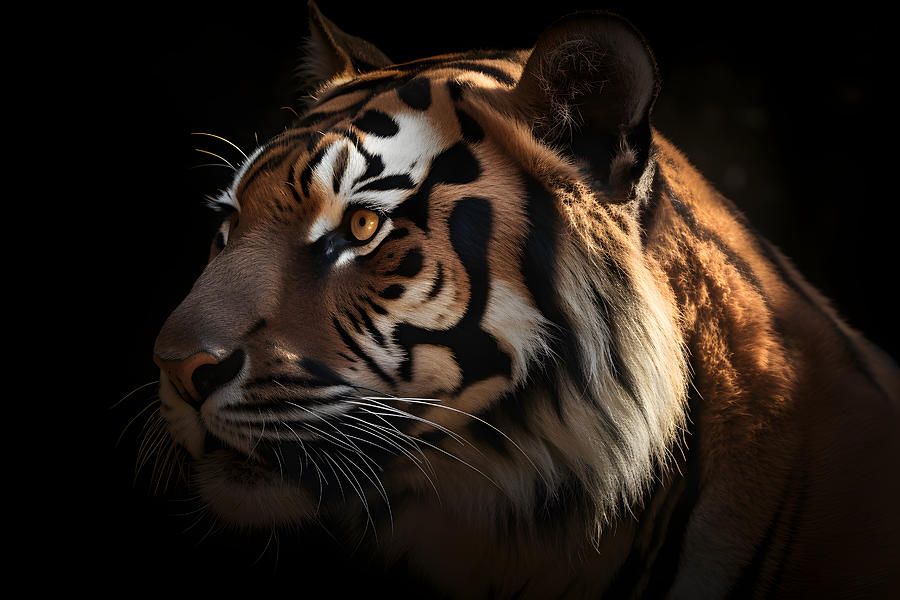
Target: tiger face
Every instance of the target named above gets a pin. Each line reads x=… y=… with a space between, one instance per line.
x=364 y=263
x=415 y=290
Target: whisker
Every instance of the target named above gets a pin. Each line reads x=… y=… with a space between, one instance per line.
x=218 y=137
x=152 y=450
x=322 y=418
x=321 y=479
x=278 y=458
x=377 y=483
x=391 y=429
x=135 y=418
x=150 y=433
x=261 y=434
x=454 y=457
x=266 y=549
x=379 y=392
x=216 y=524
x=211 y=165
x=337 y=442
x=217 y=156
x=374 y=434
x=382 y=433
x=402 y=413
x=357 y=487
x=330 y=463
x=429 y=402
x=133 y=392
x=170 y=463
x=302 y=446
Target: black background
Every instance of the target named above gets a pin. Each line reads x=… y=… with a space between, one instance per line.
x=788 y=114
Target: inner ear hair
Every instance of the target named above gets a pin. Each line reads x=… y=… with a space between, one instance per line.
x=588 y=88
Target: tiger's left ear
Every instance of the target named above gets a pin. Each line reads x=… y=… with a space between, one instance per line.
x=589 y=87
x=331 y=52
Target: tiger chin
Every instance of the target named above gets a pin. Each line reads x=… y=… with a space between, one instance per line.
x=477 y=308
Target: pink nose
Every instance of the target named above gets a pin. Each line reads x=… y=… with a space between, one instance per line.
x=182 y=374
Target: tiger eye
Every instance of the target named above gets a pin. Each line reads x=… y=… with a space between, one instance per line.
x=363 y=224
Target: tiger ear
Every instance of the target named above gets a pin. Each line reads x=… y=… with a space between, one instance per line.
x=589 y=87
x=331 y=52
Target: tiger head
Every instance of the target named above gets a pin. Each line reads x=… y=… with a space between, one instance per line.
x=434 y=283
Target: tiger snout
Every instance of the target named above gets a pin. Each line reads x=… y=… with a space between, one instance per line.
x=200 y=374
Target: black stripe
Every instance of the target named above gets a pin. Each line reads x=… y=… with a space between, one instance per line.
x=402 y=74
x=374 y=164
x=376 y=307
x=307 y=174
x=321 y=371
x=750 y=577
x=410 y=265
x=416 y=93
x=353 y=321
x=355 y=349
x=373 y=85
x=340 y=166
x=539 y=273
x=477 y=352
x=455 y=89
x=290 y=138
x=395 y=234
x=764 y=247
x=492 y=72
x=292 y=187
x=471 y=130
x=423 y=64
x=455 y=165
x=392 y=292
x=370 y=326
x=286 y=380
x=391 y=182
x=261 y=166
x=256 y=327
x=314 y=124
x=706 y=235
x=377 y=123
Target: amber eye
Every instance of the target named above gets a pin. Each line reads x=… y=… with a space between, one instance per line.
x=363 y=224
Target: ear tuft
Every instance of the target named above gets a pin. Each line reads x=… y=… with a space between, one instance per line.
x=331 y=52
x=589 y=87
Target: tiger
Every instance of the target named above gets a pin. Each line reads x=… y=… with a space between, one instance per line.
x=475 y=314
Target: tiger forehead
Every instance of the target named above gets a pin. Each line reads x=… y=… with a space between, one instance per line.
x=355 y=148
x=485 y=68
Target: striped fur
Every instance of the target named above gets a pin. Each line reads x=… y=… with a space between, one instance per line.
x=563 y=365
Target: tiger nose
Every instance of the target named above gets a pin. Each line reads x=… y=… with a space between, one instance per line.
x=199 y=375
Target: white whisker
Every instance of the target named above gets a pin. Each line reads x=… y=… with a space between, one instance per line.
x=217 y=156
x=135 y=418
x=218 y=137
x=133 y=392
x=431 y=402
x=402 y=413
